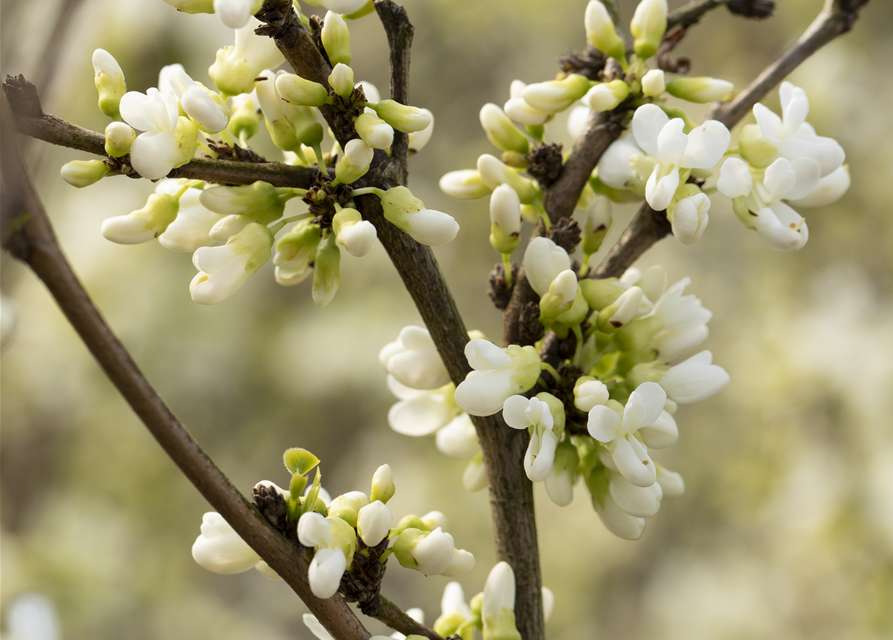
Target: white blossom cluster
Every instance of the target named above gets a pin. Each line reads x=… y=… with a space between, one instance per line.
x=234 y=230
x=332 y=527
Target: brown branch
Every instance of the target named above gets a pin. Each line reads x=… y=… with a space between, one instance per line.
x=649 y=226
x=399 y=32
x=692 y=12
x=27 y=234
x=399 y=620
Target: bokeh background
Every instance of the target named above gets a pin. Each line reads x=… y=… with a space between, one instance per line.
x=786 y=528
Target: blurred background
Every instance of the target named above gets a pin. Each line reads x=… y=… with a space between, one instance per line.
x=786 y=527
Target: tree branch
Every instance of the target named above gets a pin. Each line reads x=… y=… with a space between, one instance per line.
x=649 y=226
x=397 y=619
x=27 y=234
x=399 y=32
x=692 y=12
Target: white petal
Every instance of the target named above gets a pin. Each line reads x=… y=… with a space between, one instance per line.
x=421 y=415
x=499 y=590
x=672 y=142
x=829 y=189
x=434 y=552
x=325 y=572
x=543 y=261
x=315 y=627
x=560 y=487
x=453 y=600
x=706 y=145
x=313 y=530
x=604 y=424
x=770 y=123
x=462 y=563
x=807 y=173
x=648 y=122
x=782 y=228
x=662 y=433
x=458 y=439
x=131 y=109
x=540 y=456
x=633 y=461
x=735 y=179
x=154 y=154
x=220 y=549
x=640 y=502
x=659 y=193
x=484 y=392
x=618 y=521
x=654 y=398
x=482 y=355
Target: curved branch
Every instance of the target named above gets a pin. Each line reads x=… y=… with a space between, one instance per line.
x=649 y=226
x=692 y=12
x=27 y=234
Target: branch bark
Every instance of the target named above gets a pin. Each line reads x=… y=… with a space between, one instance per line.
x=692 y=12
x=836 y=18
x=28 y=235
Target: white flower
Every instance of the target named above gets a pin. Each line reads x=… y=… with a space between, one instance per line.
x=325 y=572
x=556 y=95
x=236 y=13
x=454 y=611
x=374 y=523
x=589 y=394
x=143 y=224
x=829 y=189
x=418 y=139
x=694 y=379
x=353 y=233
x=625 y=166
x=639 y=502
x=355 y=161
x=465 y=184
x=374 y=131
x=616 y=426
x=683 y=321
x=523 y=413
x=689 y=218
x=499 y=596
x=617 y=521
x=315 y=627
x=498 y=374
x=664 y=140
x=192 y=227
x=223 y=270
x=219 y=549
x=791 y=134
x=434 y=552
x=462 y=562
x=543 y=261
x=458 y=439
x=420 y=412
x=413 y=360
x=671 y=483
x=314 y=530
x=652 y=281
x=156 y=151
x=237 y=66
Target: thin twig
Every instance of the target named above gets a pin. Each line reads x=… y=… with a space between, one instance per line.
x=397 y=619
x=692 y=12
x=27 y=234
x=649 y=226
x=399 y=32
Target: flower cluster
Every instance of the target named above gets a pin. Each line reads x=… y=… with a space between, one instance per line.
x=600 y=413
x=663 y=158
x=234 y=230
x=336 y=529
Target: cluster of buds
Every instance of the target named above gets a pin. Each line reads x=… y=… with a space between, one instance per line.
x=337 y=529
x=233 y=231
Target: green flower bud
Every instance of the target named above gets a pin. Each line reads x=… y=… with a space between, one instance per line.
x=341 y=80
x=607 y=95
x=109 y=80
x=336 y=39
x=601 y=33
x=401 y=117
x=700 y=90
x=298 y=91
x=118 y=138
x=344 y=535
x=602 y=292
x=501 y=131
x=560 y=296
x=383 y=487
x=407 y=212
x=757 y=151
x=577 y=313
x=354 y=162
x=83 y=173
x=143 y=224
x=246 y=117
x=596 y=225
x=295 y=252
x=326 y=271
x=505 y=219
x=648 y=26
x=347 y=507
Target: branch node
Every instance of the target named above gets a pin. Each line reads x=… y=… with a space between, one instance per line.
x=22 y=97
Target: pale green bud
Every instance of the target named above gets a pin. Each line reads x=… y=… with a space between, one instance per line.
x=700 y=90
x=505 y=219
x=621 y=311
x=383 y=487
x=109 y=80
x=494 y=173
x=186 y=132
x=344 y=536
x=118 y=138
x=326 y=271
x=355 y=161
x=556 y=95
x=560 y=296
x=347 y=507
x=401 y=117
x=353 y=233
x=601 y=292
x=143 y=224
x=601 y=33
x=501 y=131
x=295 y=252
x=374 y=131
x=83 y=173
x=192 y=6
x=577 y=313
x=607 y=95
x=246 y=117
x=654 y=83
x=254 y=200
x=676 y=112
x=757 y=151
x=299 y=461
x=596 y=225
x=465 y=184
x=336 y=39
x=410 y=522
x=298 y=91
x=341 y=80
x=648 y=26
x=407 y=212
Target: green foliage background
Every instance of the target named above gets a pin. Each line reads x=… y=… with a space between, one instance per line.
x=786 y=528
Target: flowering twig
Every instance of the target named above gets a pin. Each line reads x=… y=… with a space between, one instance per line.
x=649 y=226
x=27 y=234
x=399 y=32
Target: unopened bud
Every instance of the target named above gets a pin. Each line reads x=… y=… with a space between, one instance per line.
x=118 y=138
x=296 y=90
x=326 y=271
x=648 y=26
x=374 y=131
x=109 y=80
x=383 y=487
x=556 y=95
x=341 y=80
x=606 y=96
x=601 y=33
x=654 y=83
x=83 y=173
x=355 y=162
x=700 y=90
x=501 y=131
x=401 y=117
x=560 y=296
x=336 y=39
x=596 y=225
x=505 y=219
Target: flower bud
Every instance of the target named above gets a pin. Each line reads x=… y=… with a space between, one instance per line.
x=341 y=80
x=295 y=252
x=560 y=481
x=118 y=138
x=336 y=39
x=326 y=271
x=401 y=117
x=465 y=184
x=543 y=261
x=374 y=522
x=462 y=562
x=601 y=33
x=556 y=95
x=109 y=80
x=427 y=552
x=83 y=173
x=354 y=164
x=497 y=608
x=374 y=131
x=589 y=392
x=192 y=6
x=246 y=115
x=607 y=95
x=408 y=213
x=601 y=292
x=219 y=548
x=254 y=200
x=689 y=216
x=353 y=233
x=325 y=572
x=314 y=530
x=505 y=219
x=418 y=139
x=700 y=90
x=621 y=311
x=347 y=507
x=560 y=295
x=654 y=84
x=494 y=173
x=501 y=131
x=596 y=225
x=434 y=519
x=648 y=26
x=223 y=270
x=383 y=487
x=143 y=224
x=298 y=91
